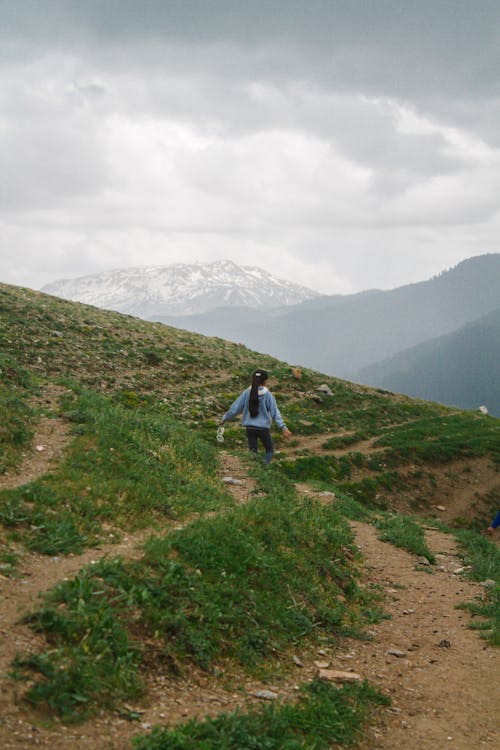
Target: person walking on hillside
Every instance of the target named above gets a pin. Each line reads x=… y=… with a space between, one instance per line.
x=259 y=409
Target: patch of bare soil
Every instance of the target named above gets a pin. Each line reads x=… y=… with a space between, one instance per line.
x=235 y=477
x=316 y=444
x=456 y=493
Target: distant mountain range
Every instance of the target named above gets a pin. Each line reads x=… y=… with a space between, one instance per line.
x=340 y=334
x=153 y=292
x=436 y=339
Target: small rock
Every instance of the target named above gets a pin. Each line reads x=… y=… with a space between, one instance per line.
x=396 y=652
x=489 y=583
x=464 y=569
x=324 y=388
x=441 y=508
x=132 y=709
x=444 y=644
x=231 y=480
x=335 y=675
x=40 y=448
x=423 y=560
x=297 y=661
x=408 y=611
x=322 y=664
x=266 y=695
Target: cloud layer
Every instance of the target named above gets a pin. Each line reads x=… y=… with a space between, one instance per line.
x=337 y=146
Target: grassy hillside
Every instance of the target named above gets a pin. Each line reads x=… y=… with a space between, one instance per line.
x=220 y=586
x=461 y=369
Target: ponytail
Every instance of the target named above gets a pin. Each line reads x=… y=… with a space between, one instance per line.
x=258 y=377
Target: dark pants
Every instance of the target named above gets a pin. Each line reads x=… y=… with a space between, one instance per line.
x=264 y=435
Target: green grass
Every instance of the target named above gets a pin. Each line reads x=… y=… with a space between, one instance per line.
x=344 y=441
x=17 y=417
x=126 y=467
x=404 y=532
x=317 y=468
x=443 y=438
x=351 y=508
x=323 y=716
x=484 y=557
x=245 y=585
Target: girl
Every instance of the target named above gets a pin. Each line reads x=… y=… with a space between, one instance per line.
x=259 y=410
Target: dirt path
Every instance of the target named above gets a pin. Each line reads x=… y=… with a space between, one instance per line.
x=444 y=682
x=52 y=436
x=316 y=444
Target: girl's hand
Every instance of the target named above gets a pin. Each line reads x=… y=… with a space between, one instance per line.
x=286 y=433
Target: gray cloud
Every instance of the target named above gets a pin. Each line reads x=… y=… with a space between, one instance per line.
x=345 y=144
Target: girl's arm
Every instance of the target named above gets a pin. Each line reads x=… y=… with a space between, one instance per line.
x=235 y=408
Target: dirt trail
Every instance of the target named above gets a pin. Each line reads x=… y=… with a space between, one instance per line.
x=52 y=436
x=441 y=684
x=316 y=444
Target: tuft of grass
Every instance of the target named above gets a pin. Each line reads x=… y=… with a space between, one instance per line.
x=351 y=508
x=322 y=716
x=317 y=468
x=404 y=532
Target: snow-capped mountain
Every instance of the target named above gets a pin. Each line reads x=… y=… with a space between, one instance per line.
x=151 y=292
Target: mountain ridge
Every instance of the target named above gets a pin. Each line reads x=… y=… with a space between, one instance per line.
x=180 y=288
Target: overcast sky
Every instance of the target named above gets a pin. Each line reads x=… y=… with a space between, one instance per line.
x=342 y=144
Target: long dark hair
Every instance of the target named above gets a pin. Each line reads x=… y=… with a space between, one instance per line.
x=258 y=377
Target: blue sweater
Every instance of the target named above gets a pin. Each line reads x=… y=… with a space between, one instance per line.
x=268 y=410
